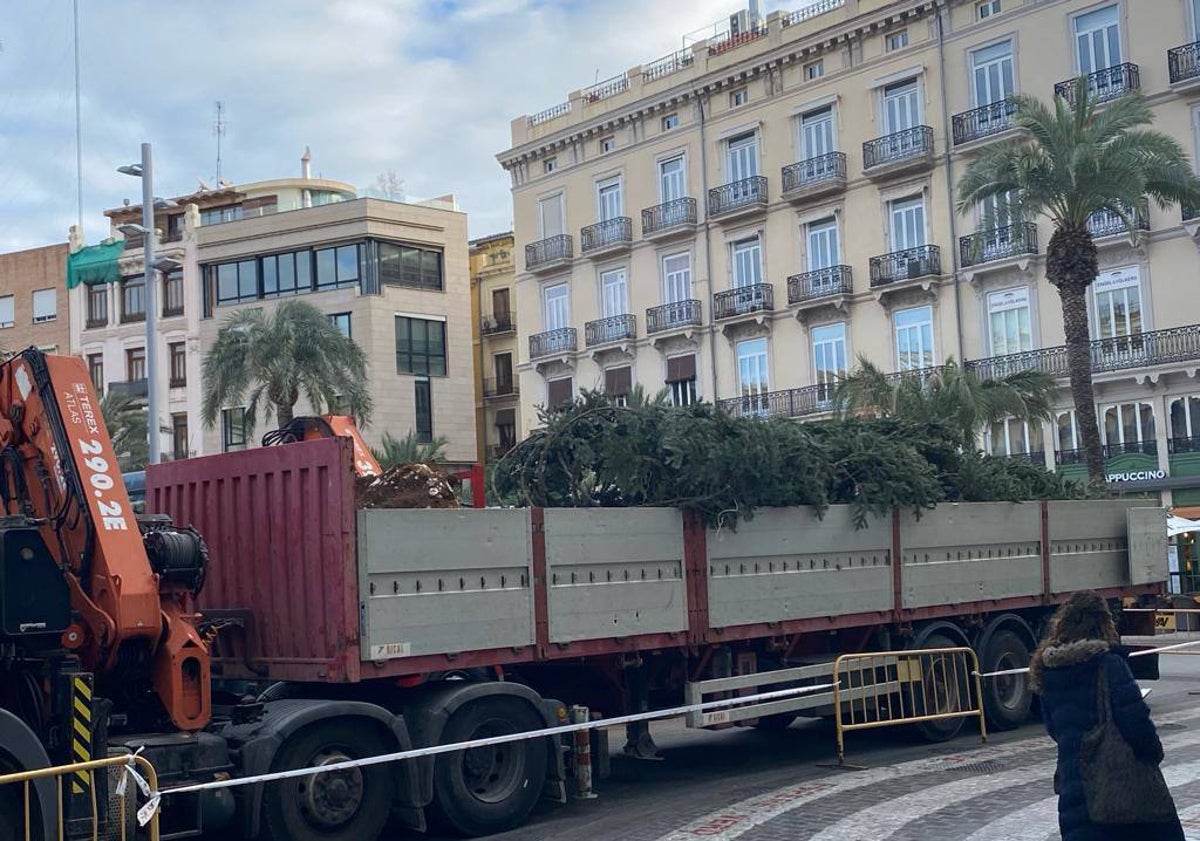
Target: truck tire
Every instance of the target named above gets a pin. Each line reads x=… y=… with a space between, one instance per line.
x=489 y=789
x=936 y=694
x=1006 y=700
x=11 y=809
x=349 y=805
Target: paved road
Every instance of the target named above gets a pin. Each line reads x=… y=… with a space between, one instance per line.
x=752 y=786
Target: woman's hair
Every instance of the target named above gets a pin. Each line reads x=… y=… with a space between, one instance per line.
x=1085 y=616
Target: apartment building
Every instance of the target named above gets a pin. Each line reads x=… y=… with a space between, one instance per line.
x=740 y=220
x=33 y=299
x=493 y=268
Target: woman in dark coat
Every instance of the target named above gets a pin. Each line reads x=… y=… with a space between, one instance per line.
x=1065 y=670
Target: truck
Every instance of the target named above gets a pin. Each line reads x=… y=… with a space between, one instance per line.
x=257 y=620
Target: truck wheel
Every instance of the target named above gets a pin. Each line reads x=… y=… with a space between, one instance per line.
x=1006 y=699
x=349 y=805
x=489 y=789
x=937 y=692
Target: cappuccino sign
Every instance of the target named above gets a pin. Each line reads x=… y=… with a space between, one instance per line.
x=1137 y=476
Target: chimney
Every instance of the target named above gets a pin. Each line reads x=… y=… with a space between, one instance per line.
x=306 y=164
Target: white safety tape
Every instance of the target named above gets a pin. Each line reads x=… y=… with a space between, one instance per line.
x=1142 y=653
x=435 y=750
x=146 y=812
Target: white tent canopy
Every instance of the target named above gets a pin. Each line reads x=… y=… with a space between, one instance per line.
x=1179 y=525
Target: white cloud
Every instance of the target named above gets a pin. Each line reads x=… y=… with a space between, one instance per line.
x=425 y=88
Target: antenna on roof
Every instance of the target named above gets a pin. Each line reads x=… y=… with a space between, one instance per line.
x=219 y=131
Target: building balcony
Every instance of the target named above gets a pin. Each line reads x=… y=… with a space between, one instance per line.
x=130 y=388
x=916 y=264
x=819 y=176
x=738 y=199
x=133 y=317
x=498 y=324
x=819 y=284
x=1184 y=66
x=1034 y=457
x=1007 y=243
x=1051 y=361
x=605 y=331
x=1105 y=223
x=1104 y=85
x=500 y=388
x=96 y=322
x=787 y=403
x=1179 y=446
x=498 y=451
x=985 y=122
x=905 y=151
x=669 y=219
x=743 y=301
x=679 y=315
x=612 y=236
x=553 y=343
x=547 y=255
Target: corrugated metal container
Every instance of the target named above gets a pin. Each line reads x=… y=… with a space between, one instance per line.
x=280 y=527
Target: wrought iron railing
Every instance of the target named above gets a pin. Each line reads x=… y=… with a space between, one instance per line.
x=1146 y=448
x=607 y=88
x=998 y=244
x=818 y=8
x=821 y=283
x=1120 y=353
x=549 y=250
x=1184 y=62
x=610 y=232
x=499 y=323
x=915 y=142
x=549 y=114
x=984 y=121
x=615 y=328
x=758 y=297
x=666 y=65
x=786 y=403
x=562 y=340
x=1104 y=85
x=500 y=387
x=673 y=315
x=732 y=40
x=1051 y=361
x=668 y=215
x=1183 y=444
x=1036 y=457
x=738 y=194
x=130 y=388
x=911 y=263
x=819 y=170
x=1076 y=456
x=1105 y=223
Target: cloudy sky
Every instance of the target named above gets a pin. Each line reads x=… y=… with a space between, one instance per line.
x=426 y=89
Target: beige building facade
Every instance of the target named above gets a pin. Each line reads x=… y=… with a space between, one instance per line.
x=493 y=270
x=739 y=221
x=33 y=299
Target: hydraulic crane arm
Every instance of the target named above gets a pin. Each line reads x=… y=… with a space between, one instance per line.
x=309 y=428
x=57 y=466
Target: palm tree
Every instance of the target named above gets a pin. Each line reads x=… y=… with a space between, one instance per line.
x=949 y=394
x=128 y=426
x=1072 y=161
x=408 y=450
x=270 y=361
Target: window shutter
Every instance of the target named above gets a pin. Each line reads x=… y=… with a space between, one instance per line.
x=44 y=304
x=618 y=380
x=508 y=417
x=560 y=392
x=681 y=368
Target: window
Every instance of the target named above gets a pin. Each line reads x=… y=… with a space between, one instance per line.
x=671 y=177
x=236 y=281
x=506 y=428
x=614 y=293
x=1118 y=297
x=501 y=307
x=823 y=249
x=816 y=133
x=677 y=277
x=133 y=299
x=179 y=436
x=337 y=267
x=607 y=144
x=549 y=165
x=559 y=392
x=228 y=213
x=8 y=311
x=1185 y=420
x=829 y=357
x=287 y=274
x=550 y=214
x=234 y=429
x=45 y=305
x=738 y=98
x=901 y=106
x=914 y=338
x=1128 y=428
x=423 y=405
x=897 y=40
x=557 y=306
x=1012 y=437
x=97 y=305
x=341 y=320
x=671 y=121
x=177 y=358
x=815 y=70
x=1068 y=431
x=172 y=302
x=988 y=8
x=420 y=346
x=95 y=363
x=681 y=379
x=1097 y=40
x=1195 y=4
x=135 y=364
x=405 y=265
x=618 y=382
x=753 y=380
x=741 y=157
x=747 y=263
x=608 y=199
x=992 y=73
x=1009 y=321
x=503 y=369
x=908 y=223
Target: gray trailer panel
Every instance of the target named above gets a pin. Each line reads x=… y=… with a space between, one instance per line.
x=1147 y=530
x=1089 y=549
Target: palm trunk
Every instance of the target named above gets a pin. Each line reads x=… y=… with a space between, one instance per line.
x=283 y=415
x=1079 y=367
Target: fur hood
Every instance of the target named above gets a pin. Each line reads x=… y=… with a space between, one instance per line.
x=1073 y=653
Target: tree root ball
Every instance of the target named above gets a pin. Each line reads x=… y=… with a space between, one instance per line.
x=407 y=486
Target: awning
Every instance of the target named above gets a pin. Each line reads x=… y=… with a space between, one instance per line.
x=1179 y=525
x=95 y=264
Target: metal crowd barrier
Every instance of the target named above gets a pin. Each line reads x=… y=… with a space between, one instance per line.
x=888 y=688
x=116 y=810
x=1175 y=623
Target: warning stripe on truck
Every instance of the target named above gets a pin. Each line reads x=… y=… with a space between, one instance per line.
x=81 y=725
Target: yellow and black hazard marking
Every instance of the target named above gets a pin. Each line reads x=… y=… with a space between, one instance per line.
x=81 y=731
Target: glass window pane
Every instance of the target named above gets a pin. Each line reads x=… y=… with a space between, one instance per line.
x=326 y=268
x=248 y=279
x=347 y=261
x=270 y=276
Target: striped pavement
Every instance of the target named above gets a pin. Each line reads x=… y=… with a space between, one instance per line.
x=990 y=793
